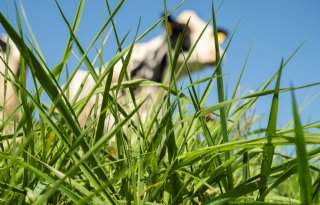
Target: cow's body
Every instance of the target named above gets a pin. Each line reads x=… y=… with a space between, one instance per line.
x=137 y=70
x=149 y=60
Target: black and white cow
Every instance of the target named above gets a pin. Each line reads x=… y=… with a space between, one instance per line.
x=9 y=66
x=149 y=60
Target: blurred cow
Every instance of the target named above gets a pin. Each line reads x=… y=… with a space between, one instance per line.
x=9 y=68
x=149 y=60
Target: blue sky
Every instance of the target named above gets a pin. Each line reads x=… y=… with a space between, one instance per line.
x=273 y=28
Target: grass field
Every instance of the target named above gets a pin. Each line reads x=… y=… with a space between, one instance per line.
x=210 y=154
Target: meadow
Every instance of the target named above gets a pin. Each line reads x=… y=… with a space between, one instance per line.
x=186 y=152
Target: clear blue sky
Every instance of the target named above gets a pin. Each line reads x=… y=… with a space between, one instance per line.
x=274 y=28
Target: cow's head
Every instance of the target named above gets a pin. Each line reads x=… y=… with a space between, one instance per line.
x=204 y=53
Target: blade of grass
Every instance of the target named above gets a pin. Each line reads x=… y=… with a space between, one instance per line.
x=268 y=149
x=68 y=48
x=235 y=193
x=305 y=181
x=236 y=87
x=221 y=97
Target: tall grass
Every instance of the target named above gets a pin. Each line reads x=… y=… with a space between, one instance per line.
x=211 y=155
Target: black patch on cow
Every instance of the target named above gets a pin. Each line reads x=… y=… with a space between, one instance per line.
x=176 y=31
x=159 y=57
x=159 y=70
x=3 y=46
x=135 y=71
x=18 y=70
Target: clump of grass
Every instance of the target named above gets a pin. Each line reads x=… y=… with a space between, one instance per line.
x=210 y=155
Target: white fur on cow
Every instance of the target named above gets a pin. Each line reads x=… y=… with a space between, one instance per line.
x=9 y=65
x=149 y=60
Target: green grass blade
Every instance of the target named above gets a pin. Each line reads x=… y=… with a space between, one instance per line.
x=67 y=51
x=268 y=149
x=221 y=98
x=234 y=193
x=304 y=175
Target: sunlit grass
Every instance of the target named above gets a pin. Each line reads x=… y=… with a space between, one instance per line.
x=208 y=155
